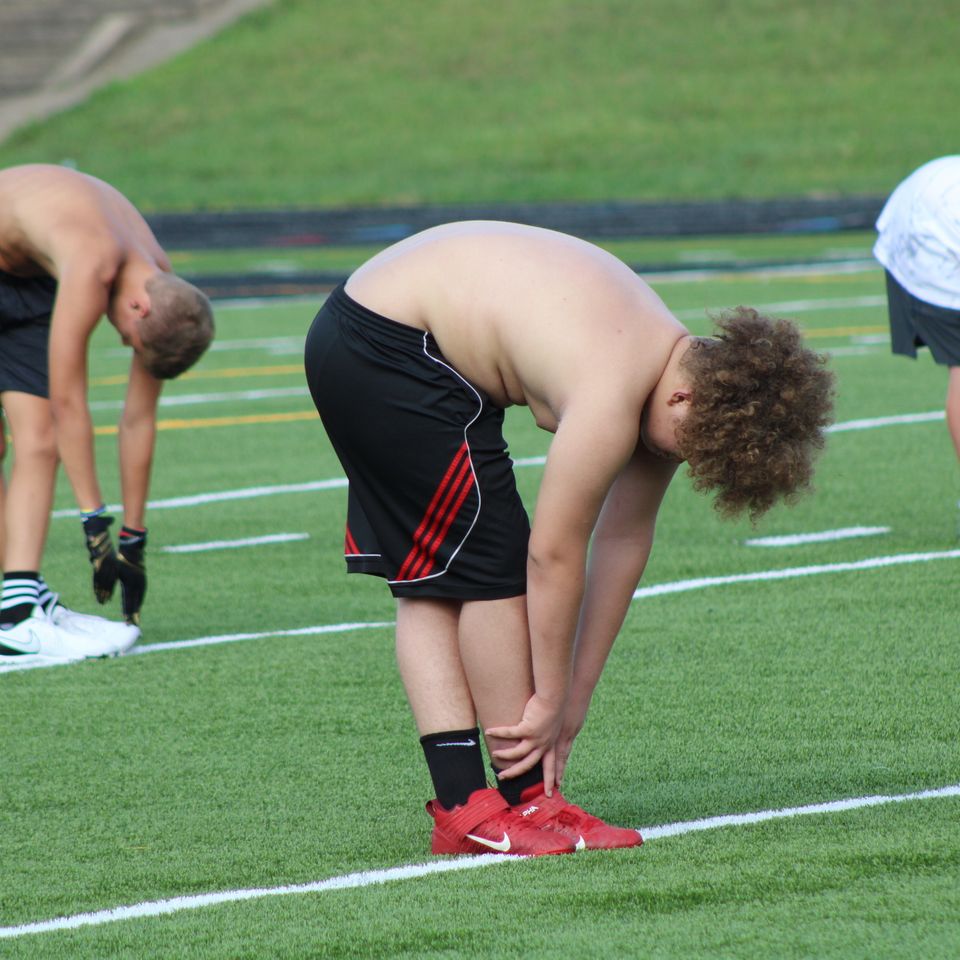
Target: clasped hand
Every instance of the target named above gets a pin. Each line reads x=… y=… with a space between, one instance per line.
x=533 y=739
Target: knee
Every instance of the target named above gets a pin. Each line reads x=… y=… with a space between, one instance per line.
x=38 y=447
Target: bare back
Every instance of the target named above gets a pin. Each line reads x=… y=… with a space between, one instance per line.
x=532 y=316
x=51 y=216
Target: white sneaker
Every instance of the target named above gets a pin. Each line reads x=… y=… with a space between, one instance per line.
x=115 y=638
x=39 y=640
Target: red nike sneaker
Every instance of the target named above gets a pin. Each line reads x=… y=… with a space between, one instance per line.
x=586 y=831
x=487 y=824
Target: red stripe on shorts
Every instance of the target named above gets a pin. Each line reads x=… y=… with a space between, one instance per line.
x=438 y=514
x=349 y=544
x=465 y=487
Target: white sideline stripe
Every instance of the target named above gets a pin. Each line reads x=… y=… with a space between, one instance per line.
x=212 y=641
x=792 y=539
x=894 y=421
x=234 y=544
x=155 y=908
x=871 y=563
x=832 y=806
x=276 y=345
x=796 y=270
x=796 y=306
x=247 y=493
x=235 y=637
x=677 y=586
x=860 y=350
x=255 y=303
x=191 y=399
x=338 y=482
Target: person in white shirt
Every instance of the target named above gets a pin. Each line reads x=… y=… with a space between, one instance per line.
x=918 y=244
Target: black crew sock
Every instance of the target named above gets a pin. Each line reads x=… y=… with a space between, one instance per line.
x=20 y=596
x=512 y=788
x=456 y=765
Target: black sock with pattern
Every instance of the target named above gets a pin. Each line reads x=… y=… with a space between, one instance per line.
x=45 y=596
x=20 y=596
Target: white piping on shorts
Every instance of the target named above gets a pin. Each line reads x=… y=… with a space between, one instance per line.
x=473 y=473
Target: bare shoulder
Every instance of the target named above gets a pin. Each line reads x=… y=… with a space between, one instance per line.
x=53 y=217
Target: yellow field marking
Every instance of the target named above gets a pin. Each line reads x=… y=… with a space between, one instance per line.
x=844 y=331
x=197 y=424
x=284 y=369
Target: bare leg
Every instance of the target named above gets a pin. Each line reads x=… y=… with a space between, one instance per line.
x=953 y=407
x=429 y=659
x=29 y=495
x=495 y=652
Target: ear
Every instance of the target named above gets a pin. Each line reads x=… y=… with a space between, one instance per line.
x=140 y=305
x=679 y=396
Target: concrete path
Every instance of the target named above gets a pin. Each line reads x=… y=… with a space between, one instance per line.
x=54 y=53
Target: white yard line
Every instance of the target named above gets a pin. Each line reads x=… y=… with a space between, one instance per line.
x=794 y=539
x=872 y=423
x=235 y=637
x=197 y=399
x=658 y=589
x=235 y=544
x=156 y=908
x=794 y=306
x=246 y=493
x=216 y=640
x=858 y=350
x=335 y=483
x=694 y=274
x=871 y=563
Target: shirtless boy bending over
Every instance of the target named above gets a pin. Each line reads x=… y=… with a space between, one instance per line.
x=501 y=625
x=73 y=249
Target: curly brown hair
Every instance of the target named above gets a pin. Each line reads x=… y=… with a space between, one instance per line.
x=759 y=403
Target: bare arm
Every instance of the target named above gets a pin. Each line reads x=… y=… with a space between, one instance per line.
x=81 y=300
x=621 y=547
x=137 y=437
x=590 y=448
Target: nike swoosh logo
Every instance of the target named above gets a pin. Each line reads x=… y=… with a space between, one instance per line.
x=501 y=846
x=14 y=646
x=581 y=844
x=458 y=743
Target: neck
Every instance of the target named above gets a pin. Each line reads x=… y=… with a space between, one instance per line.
x=674 y=376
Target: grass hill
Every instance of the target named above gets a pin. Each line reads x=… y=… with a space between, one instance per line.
x=322 y=103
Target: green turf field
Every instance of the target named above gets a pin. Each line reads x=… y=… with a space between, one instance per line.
x=284 y=755
x=318 y=102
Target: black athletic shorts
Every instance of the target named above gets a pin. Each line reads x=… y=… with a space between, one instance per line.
x=916 y=323
x=25 y=307
x=433 y=504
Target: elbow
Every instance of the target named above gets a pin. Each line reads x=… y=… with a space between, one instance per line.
x=555 y=561
x=136 y=424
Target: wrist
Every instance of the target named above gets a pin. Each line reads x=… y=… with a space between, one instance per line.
x=132 y=539
x=96 y=522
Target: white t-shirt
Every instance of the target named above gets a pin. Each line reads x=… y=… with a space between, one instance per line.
x=919 y=233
